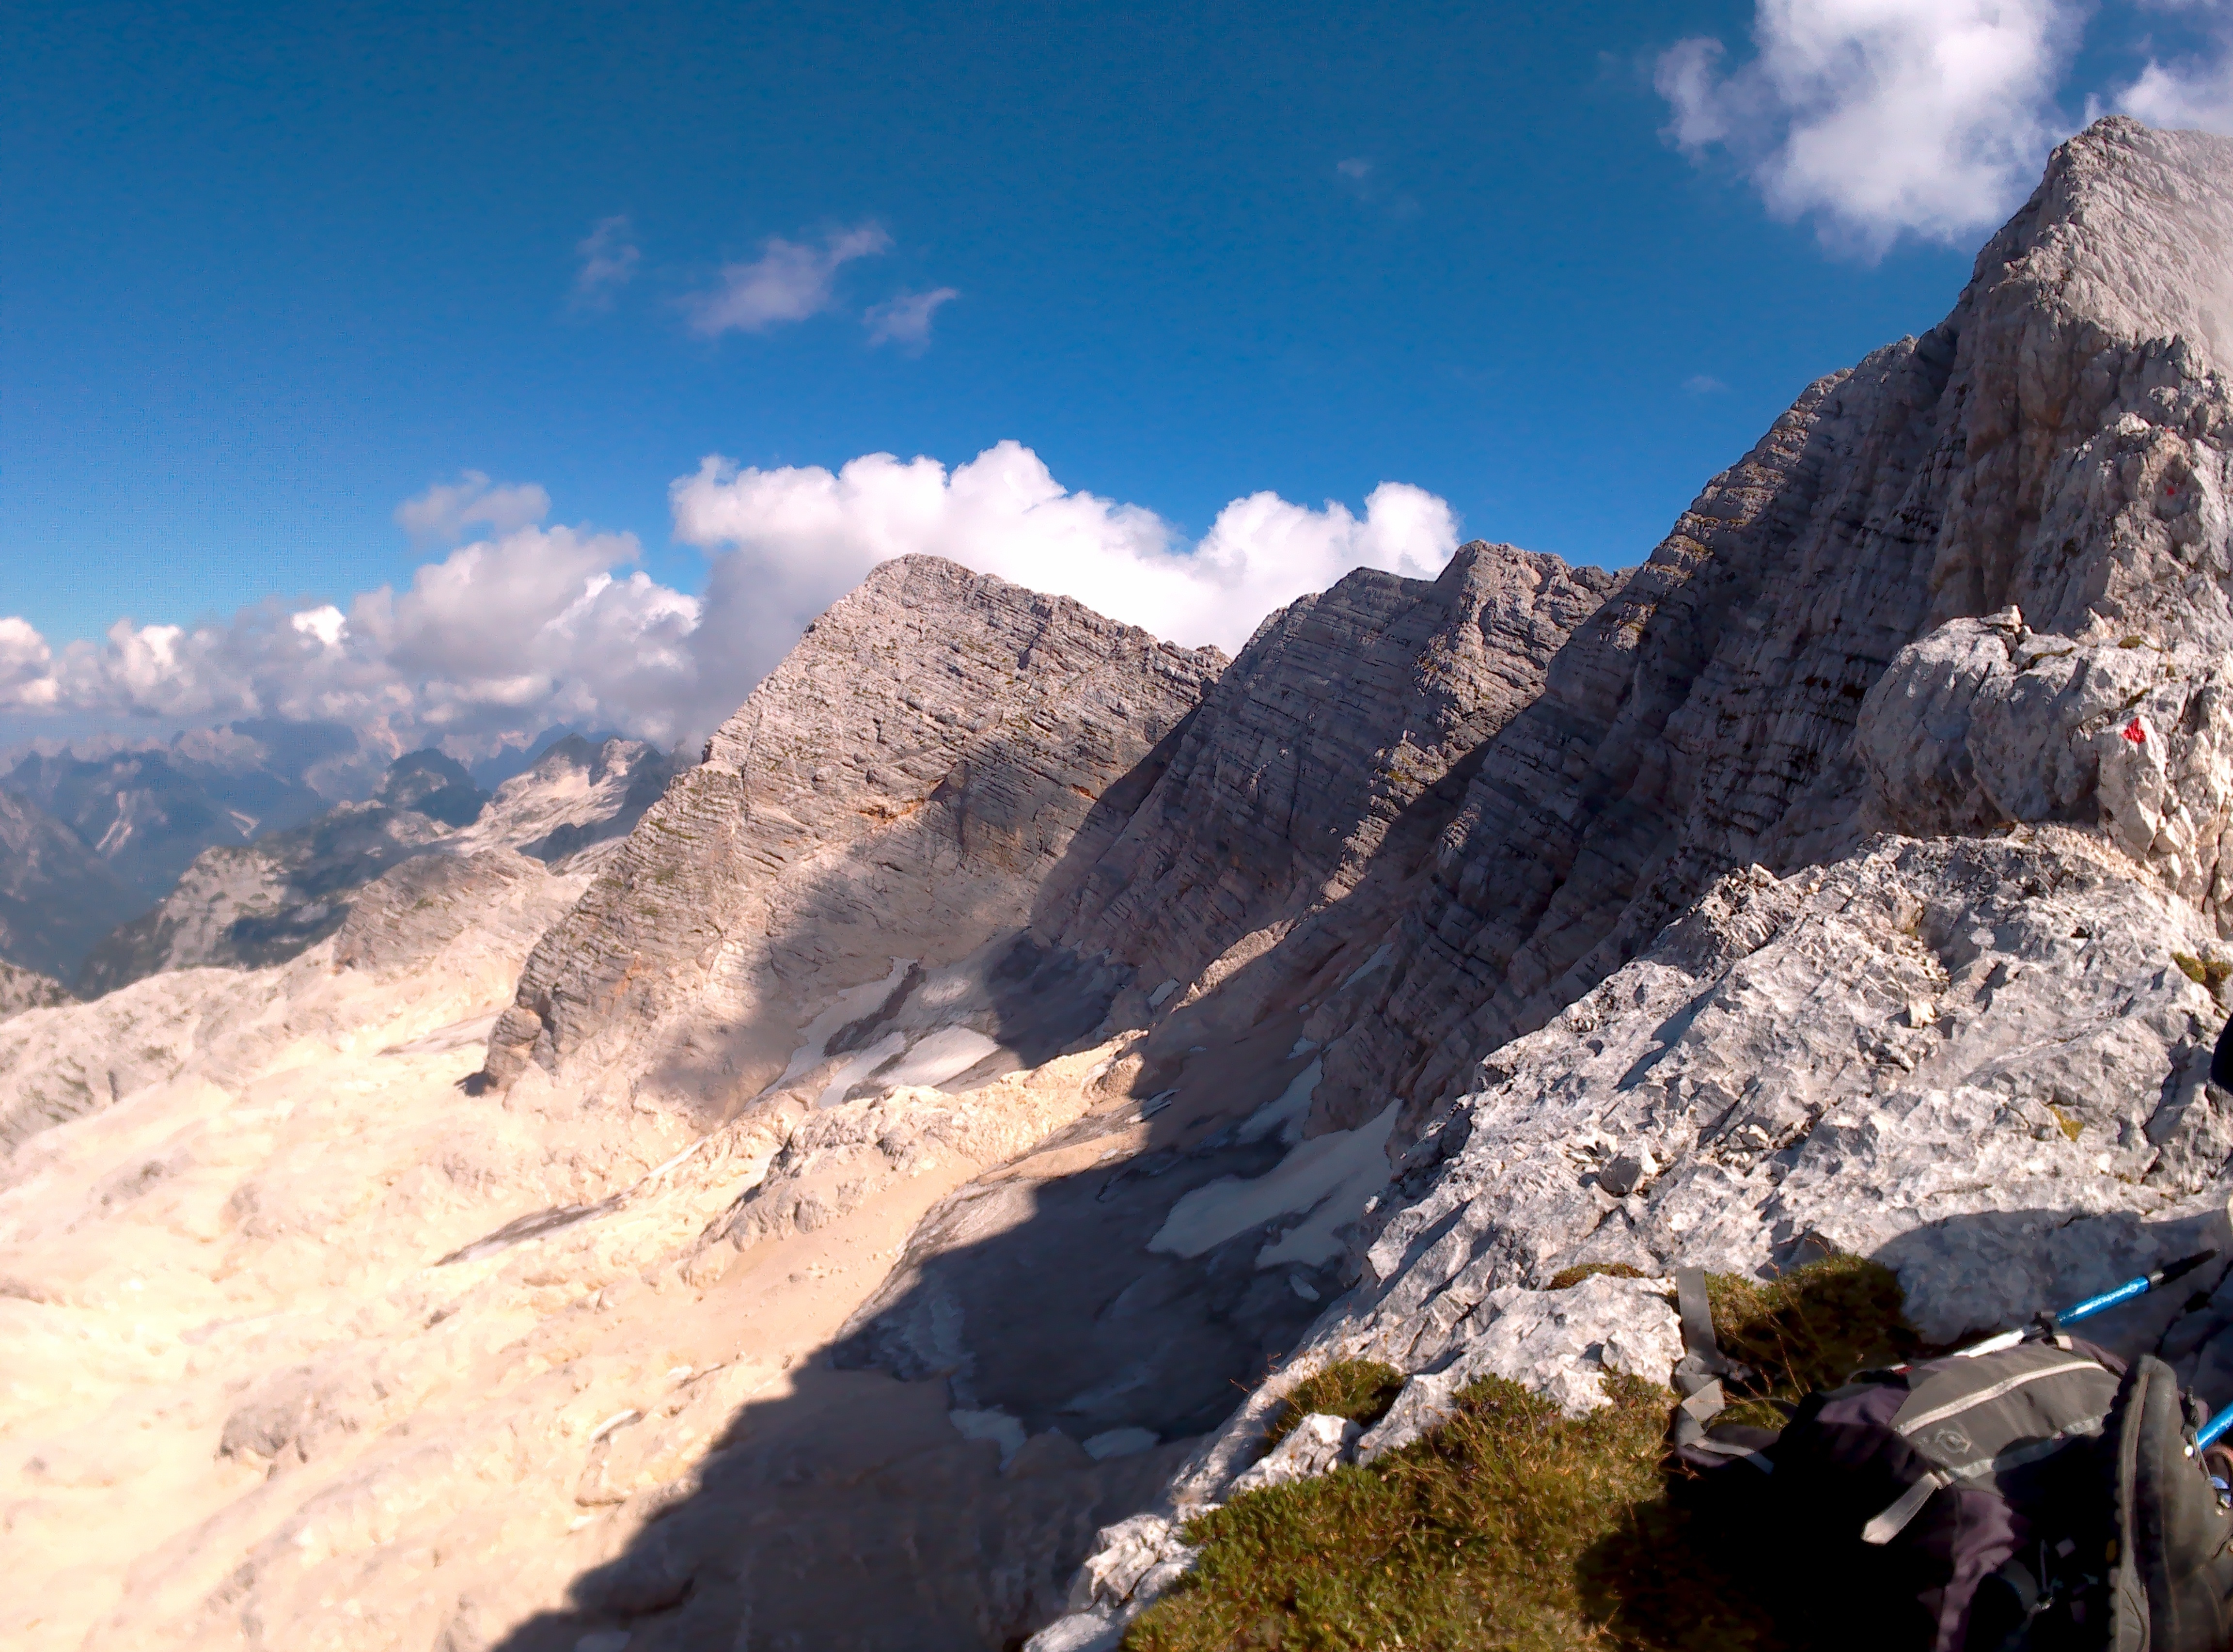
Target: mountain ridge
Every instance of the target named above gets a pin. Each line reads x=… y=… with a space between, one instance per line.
x=938 y=1138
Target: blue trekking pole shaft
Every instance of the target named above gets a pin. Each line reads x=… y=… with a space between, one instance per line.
x=2108 y=1299
x=2209 y=1430
x=2132 y=1288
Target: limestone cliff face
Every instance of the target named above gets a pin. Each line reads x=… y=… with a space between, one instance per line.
x=1339 y=738
x=1666 y=997
x=939 y=750
x=2060 y=443
x=1036 y=1034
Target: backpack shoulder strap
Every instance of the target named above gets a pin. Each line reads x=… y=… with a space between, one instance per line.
x=1698 y=1374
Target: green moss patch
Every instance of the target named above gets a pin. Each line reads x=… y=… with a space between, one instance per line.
x=1566 y=1278
x=1359 y=1389
x=2212 y=973
x=1512 y=1527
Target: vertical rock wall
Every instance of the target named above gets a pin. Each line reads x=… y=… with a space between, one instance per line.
x=2060 y=443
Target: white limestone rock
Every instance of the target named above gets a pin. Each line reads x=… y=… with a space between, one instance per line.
x=24 y=989
x=1317 y=1445
x=1985 y=723
x=1558 y=1342
x=1133 y=1563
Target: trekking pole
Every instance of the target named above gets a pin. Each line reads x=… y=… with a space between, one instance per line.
x=2209 y=1431
x=2048 y=1324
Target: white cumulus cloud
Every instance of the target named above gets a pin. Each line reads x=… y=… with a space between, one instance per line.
x=27 y=680
x=505 y=635
x=2191 y=90
x=446 y=511
x=531 y=626
x=793 y=539
x=1880 y=118
x=789 y=281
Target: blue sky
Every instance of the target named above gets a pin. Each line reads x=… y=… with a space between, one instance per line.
x=271 y=272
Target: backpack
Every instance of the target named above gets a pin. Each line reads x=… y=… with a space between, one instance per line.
x=2037 y=1497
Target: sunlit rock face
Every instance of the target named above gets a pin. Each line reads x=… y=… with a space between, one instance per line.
x=24 y=989
x=928 y=1145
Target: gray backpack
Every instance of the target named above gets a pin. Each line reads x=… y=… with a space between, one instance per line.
x=2041 y=1498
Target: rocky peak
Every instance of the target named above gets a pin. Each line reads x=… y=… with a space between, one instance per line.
x=939 y=747
x=1352 y=717
x=1089 y=1026
x=433 y=785
x=2130 y=230
x=2057 y=444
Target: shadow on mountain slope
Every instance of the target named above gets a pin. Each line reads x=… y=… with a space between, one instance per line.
x=853 y=1513
x=1030 y=1303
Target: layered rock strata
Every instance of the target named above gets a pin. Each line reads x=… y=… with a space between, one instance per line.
x=938 y=750
x=1337 y=744
x=2059 y=444
x=1019 y=1035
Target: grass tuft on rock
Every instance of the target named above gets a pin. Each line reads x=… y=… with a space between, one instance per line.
x=1359 y=1389
x=1514 y=1528
x=1812 y=1328
x=2212 y=973
x=1566 y=1278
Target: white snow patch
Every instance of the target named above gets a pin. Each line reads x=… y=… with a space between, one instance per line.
x=1121 y=1442
x=1156 y=999
x=944 y=1054
x=1286 y=1113
x=1303 y=1047
x=1330 y=1176
x=1003 y=1430
x=1379 y=960
x=892 y=1043
x=847 y=1006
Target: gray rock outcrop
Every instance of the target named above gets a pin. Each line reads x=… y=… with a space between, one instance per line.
x=23 y=989
x=1019 y=1036
x=1670 y=998
x=2058 y=443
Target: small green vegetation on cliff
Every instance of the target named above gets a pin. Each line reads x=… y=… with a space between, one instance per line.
x=1512 y=1526
x=1359 y=1389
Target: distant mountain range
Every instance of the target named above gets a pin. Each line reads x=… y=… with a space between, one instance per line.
x=257 y=826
